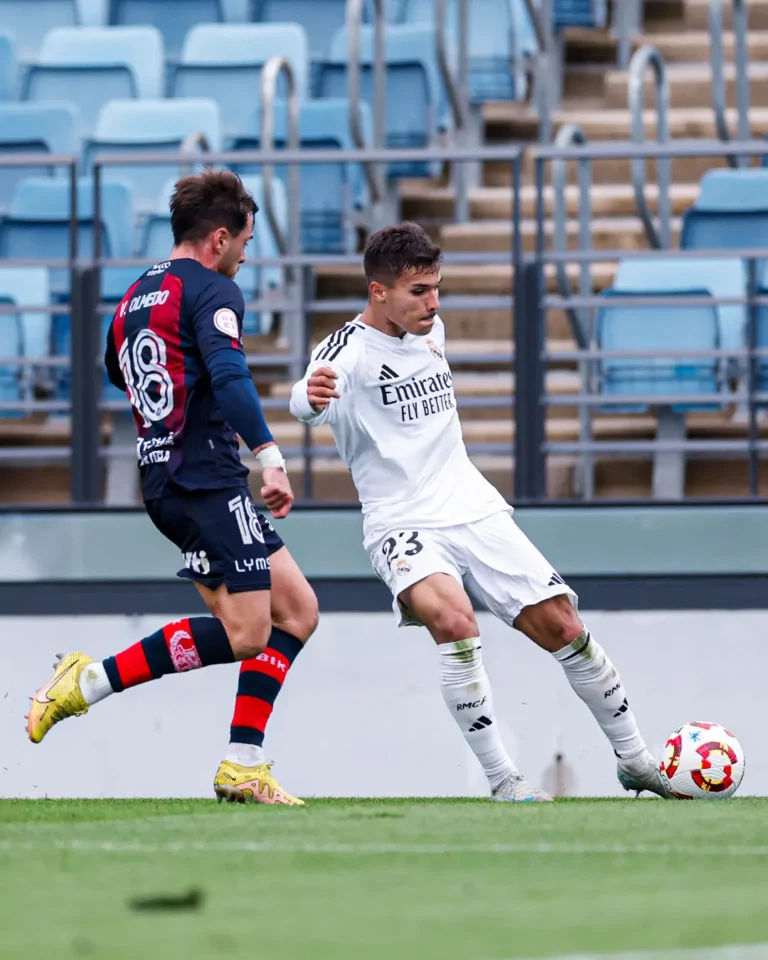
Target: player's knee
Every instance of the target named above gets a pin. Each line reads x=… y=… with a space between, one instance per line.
x=247 y=639
x=302 y=621
x=561 y=622
x=450 y=625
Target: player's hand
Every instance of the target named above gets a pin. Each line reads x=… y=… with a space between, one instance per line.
x=321 y=388
x=276 y=492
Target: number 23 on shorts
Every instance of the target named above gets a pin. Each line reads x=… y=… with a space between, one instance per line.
x=400 y=546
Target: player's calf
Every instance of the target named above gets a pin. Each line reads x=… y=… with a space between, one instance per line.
x=555 y=626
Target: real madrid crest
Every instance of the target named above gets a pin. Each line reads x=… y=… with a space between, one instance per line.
x=435 y=350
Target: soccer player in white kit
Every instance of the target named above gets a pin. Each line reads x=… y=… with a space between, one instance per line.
x=433 y=524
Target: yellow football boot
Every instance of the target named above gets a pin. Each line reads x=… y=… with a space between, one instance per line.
x=59 y=698
x=237 y=784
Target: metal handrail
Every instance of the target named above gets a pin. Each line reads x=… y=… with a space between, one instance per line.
x=568 y=136
x=272 y=70
x=354 y=20
x=741 y=60
x=649 y=56
x=191 y=144
x=457 y=92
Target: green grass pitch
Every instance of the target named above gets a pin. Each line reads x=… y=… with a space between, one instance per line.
x=369 y=880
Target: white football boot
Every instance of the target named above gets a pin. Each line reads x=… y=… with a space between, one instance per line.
x=642 y=773
x=516 y=789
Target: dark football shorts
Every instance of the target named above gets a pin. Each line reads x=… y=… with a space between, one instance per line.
x=222 y=536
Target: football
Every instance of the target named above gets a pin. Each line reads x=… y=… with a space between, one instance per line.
x=703 y=761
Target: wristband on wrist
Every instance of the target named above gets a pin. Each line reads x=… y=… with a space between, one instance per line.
x=271 y=457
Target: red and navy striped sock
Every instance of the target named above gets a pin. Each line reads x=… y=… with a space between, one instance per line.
x=179 y=646
x=261 y=679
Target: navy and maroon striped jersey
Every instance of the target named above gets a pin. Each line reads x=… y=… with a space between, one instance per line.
x=162 y=338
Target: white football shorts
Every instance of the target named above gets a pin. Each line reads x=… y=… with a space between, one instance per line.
x=492 y=558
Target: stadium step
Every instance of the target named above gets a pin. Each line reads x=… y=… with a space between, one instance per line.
x=690 y=85
x=608 y=233
x=607 y=200
x=694 y=46
x=696 y=15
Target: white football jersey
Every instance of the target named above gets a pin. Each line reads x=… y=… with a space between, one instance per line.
x=397 y=429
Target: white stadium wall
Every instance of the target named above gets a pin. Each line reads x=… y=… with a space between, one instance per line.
x=361 y=714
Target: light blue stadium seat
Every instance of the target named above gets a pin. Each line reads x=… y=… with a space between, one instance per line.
x=645 y=327
x=151 y=126
x=724 y=229
x=37 y=224
x=330 y=193
x=90 y=66
x=722 y=278
x=8 y=67
x=742 y=190
x=35 y=128
x=491 y=35
x=580 y=13
x=26 y=334
x=174 y=19
x=28 y=21
x=224 y=62
x=414 y=90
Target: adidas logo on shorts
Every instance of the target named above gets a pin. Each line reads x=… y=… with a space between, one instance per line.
x=387 y=373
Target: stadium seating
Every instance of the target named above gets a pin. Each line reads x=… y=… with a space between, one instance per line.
x=90 y=66
x=731 y=211
x=37 y=224
x=173 y=19
x=722 y=278
x=28 y=21
x=8 y=67
x=25 y=334
x=224 y=62
x=34 y=128
x=331 y=194
x=644 y=327
x=490 y=50
x=414 y=91
x=580 y=13
x=321 y=19
x=143 y=126
x=762 y=327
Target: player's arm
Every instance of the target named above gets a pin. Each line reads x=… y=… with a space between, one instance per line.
x=217 y=319
x=312 y=398
x=111 y=361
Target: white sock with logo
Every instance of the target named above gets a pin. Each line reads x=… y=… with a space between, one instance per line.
x=246 y=754
x=596 y=680
x=94 y=683
x=467 y=694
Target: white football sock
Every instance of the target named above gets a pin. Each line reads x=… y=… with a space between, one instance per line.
x=94 y=683
x=246 y=754
x=467 y=694
x=596 y=680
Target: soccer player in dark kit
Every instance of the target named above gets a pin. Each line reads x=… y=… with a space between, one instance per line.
x=175 y=347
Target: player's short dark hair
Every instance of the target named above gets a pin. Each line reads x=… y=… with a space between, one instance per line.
x=207 y=201
x=393 y=251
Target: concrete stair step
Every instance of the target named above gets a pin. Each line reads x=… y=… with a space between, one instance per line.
x=697 y=15
x=690 y=85
x=608 y=233
x=693 y=123
x=607 y=200
x=684 y=170
x=694 y=46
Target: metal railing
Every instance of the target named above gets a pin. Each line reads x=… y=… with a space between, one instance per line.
x=529 y=400
x=741 y=67
x=739 y=387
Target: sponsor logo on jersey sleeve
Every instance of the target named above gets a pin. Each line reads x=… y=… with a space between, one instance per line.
x=225 y=320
